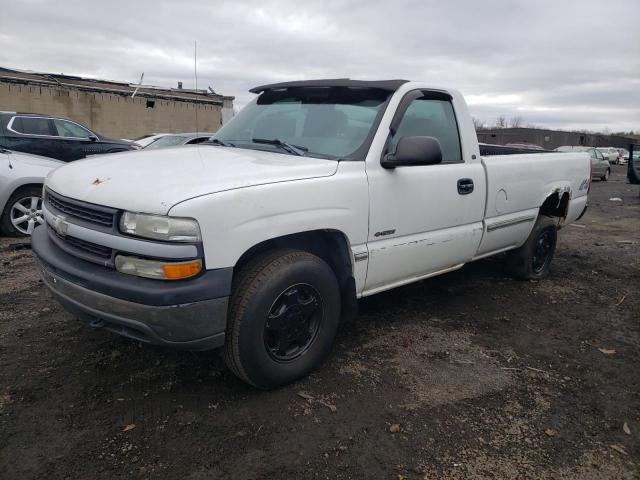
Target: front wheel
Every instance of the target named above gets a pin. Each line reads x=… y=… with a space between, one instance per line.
x=532 y=261
x=283 y=316
x=606 y=175
x=23 y=212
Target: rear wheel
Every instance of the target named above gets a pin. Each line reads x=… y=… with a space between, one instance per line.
x=23 y=212
x=532 y=261
x=283 y=317
x=606 y=175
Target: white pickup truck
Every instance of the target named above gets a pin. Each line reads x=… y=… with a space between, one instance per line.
x=316 y=194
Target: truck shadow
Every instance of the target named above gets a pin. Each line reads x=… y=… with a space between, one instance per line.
x=454 y=287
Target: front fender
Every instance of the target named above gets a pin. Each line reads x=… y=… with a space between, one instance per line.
x=233 y=221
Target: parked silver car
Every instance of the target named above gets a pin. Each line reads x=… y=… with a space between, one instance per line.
x=21 y=179
x=600 y=166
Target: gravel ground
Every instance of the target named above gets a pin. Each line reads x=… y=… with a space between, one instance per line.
x=464 y=376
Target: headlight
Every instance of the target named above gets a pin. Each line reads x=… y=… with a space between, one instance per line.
x=159 y=269
x=159 y=227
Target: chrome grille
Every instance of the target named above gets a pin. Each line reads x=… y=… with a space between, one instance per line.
x=81 y=248
x=87 y=212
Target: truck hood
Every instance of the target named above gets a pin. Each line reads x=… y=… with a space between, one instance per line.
x=154 y=181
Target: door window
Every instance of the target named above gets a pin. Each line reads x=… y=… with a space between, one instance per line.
x=433 y=118
x=599 y=155
x=30 y=125
x=68 y=129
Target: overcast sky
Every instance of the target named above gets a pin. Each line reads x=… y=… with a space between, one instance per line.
x=556 y=63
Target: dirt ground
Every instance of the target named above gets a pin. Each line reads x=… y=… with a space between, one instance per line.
x=465 y=376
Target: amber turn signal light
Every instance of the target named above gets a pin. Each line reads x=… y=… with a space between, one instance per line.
x=177 y=271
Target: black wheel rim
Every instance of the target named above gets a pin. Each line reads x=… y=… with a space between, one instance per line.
x=293 y=322
x=543 y=250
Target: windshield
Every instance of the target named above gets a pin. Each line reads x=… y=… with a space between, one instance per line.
x=167 y=141
x=325 y=122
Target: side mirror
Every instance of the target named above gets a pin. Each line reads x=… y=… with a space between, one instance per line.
x=93 y=138
x=412 y=151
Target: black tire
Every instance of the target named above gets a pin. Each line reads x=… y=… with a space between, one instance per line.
x=6 y=226
x=265 y=291
x=606 y=175
x=532 y=261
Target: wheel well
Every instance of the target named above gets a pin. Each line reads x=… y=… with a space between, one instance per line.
x=556 y=205
x=330 y=245
x=27 y=185
x=23 y=187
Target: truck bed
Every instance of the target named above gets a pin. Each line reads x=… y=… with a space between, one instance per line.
x=518 y=184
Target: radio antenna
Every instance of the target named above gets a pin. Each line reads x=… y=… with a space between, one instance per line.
x=195 y=74
x=137 y=86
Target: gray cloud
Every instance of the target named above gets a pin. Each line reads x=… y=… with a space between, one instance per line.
x=569 y=64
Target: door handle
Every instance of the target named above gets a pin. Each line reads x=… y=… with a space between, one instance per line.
x=465 y=186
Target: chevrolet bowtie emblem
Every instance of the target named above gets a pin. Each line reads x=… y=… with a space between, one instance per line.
x=60 y=226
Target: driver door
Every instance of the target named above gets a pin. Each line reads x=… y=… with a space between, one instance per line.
x=424 y=218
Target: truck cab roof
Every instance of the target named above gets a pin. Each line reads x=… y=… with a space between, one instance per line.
x=388 y=85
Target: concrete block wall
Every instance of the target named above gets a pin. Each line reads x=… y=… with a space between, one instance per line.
x=112 y=115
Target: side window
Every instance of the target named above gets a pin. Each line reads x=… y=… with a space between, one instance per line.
x=593 y=154
x=432 y=118
x=31 y=125
x=599 y=155
x=69 y=129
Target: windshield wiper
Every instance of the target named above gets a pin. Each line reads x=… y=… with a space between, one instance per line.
x=294 y=149
x=217 y=141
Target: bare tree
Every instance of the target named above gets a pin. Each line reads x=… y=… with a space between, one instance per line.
x=516 y=122
x=501 y=121
x=478 y=124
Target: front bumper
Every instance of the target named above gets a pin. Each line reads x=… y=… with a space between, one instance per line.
x=86 y=290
